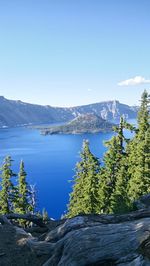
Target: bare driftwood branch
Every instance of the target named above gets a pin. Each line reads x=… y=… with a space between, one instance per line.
x=85 y=242
x=97 y=240
x=28 y=217
x=118 y=240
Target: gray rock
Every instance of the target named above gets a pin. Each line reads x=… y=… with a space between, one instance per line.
x=143 y=202
x=93 y=240
x=85 y=240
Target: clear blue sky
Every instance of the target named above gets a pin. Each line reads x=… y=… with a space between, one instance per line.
x=72 y=52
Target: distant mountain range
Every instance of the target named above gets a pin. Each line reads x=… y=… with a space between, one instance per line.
x=17 y=113
x=84 y=123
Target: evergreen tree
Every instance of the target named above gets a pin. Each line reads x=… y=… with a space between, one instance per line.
x=144 y=115
x=108 y=173
x=111 y=179
x=22 y=201
x=84 y=198
x=119 y=200
x=7 y=187
x=139 y=159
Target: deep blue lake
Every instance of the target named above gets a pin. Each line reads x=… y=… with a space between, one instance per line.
x=49 y=162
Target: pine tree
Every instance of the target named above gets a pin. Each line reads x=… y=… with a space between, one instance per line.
x=119 y=200
x=22 y=201
x=139 y=159
x=108 y=173
x=84 y=198
x=7 y=187
x=111 y=179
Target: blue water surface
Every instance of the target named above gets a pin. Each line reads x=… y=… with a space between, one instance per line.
x=49 y=162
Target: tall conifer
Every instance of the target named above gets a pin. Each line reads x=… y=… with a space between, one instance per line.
x=108 y=173
x=119 y=200
x=112 y=178
x=7 y=187
x=84 y=197
x=22 y=202
x=139 y=159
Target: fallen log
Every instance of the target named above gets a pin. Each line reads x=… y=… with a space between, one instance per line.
x=93 y=220
x=28 y=217
x=4 y=219
x=89 y=240
x=92 y=240
x=102 y=244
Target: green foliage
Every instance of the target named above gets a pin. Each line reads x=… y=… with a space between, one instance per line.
x=119 y=200
x=22 y=204
x=139 y=158
x=114 y=175
x=14 y=198
x=7 y=187
x=84 y=198
x=112 y=188
x=108 y=175
x=125 y=174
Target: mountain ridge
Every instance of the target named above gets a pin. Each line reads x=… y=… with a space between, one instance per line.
x=17 y=113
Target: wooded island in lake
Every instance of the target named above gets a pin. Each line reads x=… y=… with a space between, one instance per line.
x=86 y=123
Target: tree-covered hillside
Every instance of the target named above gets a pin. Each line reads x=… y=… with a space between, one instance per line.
x=124 y=176
x=87 y=123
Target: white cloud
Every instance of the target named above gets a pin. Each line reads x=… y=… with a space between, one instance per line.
x=138 y=80
x=89 y=89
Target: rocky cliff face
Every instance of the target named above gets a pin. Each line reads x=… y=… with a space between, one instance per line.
x=17 y=113
x=89 y=240
x=109 y=110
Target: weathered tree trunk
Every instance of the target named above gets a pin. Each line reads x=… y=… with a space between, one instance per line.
x=93 y=240
x=28 y=217
x=98 y=240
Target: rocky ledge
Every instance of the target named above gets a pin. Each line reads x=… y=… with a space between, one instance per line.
x=88 y=240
